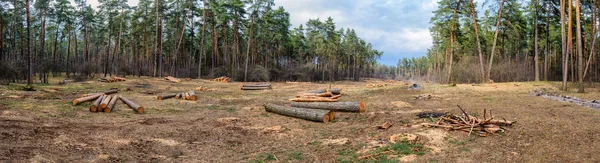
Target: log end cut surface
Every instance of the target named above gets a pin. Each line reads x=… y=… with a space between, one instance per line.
x=362 y=107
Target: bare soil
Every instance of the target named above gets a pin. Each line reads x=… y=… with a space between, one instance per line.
x=230 y=125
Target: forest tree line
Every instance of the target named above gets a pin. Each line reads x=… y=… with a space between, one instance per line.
x=514 y=40
x=248 y=40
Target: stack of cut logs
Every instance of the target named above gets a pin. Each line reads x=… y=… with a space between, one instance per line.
x=257 y=86
x=472 y=124
x=104 y=102
x=111 y=79
x=189 y=95
x=317 y=105
x=222 y=79
x=319 y=95
x=172 y=79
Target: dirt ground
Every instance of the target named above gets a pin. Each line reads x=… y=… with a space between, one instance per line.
x=230 y=125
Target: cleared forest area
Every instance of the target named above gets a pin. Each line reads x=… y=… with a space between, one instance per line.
x=227 y=124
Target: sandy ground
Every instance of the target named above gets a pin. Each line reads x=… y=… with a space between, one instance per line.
x=230 y=125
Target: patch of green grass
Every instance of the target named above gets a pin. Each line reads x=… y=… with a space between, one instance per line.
x=297 y=155
x=487 y=99
x=400 y=148
x=346 y=156
x=264 y=157
x=465 y=149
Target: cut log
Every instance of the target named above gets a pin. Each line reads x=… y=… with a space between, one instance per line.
x=172 y=79
x=162 y=97
x=326 y=94
x=501 y=122
x=333 y=106
x=257 y=85
x=335 y=91
x=186 y=96
x=336 y=96
x=111 y=91
x=87 y=98
x=317 y=91
x=331 y=115
x=178 y=96
x=111 y=105
x=105 y=102
x=137 y=108
x=313 y=99
x=316 y=115
x=192 y=95
x=96 y=104
x=255 y=88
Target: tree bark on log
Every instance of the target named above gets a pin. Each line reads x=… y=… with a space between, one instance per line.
x=162 y=97
x=333 y=106
x=257 y=85
x=111 y=91
x=132 y=105
x=317 y=91
x=335 y=91
x=111 y=104
x=96 y=104
x=105 y=102
x=178 y=96
x=192 y=95
x=87 y=98
x=316 y=115
x=255 y=88
x=314 y=99
x=326 y=94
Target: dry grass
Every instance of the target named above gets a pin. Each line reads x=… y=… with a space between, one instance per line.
x=42 y=126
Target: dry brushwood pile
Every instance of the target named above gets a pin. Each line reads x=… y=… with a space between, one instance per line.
x=111 y=79
x=472 y=124
x=222 y=79
x=104 y=102
x=172 y=79
x=189 y=95
x=376 y=85
x=257 y=86
x=319 y=95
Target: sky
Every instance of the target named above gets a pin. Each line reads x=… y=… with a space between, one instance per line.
x=399 y=28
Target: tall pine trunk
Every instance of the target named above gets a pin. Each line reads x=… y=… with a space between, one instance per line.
x=536 y=55
x=201 y=54
x=564 y=44
x=478 y=43
x=489 y=71
x=579 y=48
x=29 y=55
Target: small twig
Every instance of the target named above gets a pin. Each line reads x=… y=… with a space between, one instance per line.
x=472 y=126
x=484 y=111
x=275 y=157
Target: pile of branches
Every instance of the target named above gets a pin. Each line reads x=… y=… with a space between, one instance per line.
x=189 y=95
x=319 y=95
x=256 y=86
x=104 y=102
x=222 y=79
x=111 y=79
x=471 y=124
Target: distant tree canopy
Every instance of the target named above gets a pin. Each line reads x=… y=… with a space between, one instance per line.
x=510 y=41
x=245 y=39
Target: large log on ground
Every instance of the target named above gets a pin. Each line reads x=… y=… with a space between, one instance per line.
x=96 y=104
x=326 y=94
x=111 y=105
x=257 y=85
x=111 y=91
x=172 y=79
x=255 y=88
x=105 y=102
x=87 y=98
x=192 y=95
x=137 y=108
x=313 y=99
x=316 y=115
x=333 y=106
x=162 y=97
